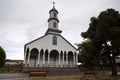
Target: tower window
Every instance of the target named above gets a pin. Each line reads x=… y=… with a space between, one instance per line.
x=54 y=24
x=54 y=14
x=54 y=40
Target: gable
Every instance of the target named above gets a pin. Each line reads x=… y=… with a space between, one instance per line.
x=45 y=42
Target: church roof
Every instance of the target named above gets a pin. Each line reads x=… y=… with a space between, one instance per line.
x=52 y=19
x=53 y=30
x=53 y=9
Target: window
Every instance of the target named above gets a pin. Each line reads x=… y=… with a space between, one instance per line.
x=54 y=24
x=54 y=14
x=54 y=41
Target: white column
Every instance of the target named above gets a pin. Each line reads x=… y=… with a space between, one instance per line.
x=43 y=59
x=48 y=59
x=59 y=59
x=67 y=59
x=38 y=60
x=25 y=58
x=74 y=57
x=28 y=59
x=63 y=59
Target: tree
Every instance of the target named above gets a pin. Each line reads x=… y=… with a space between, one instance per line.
x=87 y=56
x=104 y=32
x=2 y=57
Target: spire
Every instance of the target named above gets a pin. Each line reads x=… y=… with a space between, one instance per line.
x=53 y=21
x=53 y=9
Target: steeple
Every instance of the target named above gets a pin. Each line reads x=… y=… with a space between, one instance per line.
x=53 y=5
x=53 y=21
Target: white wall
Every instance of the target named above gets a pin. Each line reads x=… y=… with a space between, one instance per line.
x=46 y=43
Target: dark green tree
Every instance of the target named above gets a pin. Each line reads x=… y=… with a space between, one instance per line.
x=2 y=57
x=104 y=31
x=87 y=54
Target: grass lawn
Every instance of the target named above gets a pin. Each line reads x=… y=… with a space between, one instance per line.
x=75 y=78
x=52 y=78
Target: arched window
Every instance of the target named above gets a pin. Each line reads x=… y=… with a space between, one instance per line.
x=54 y=14
x=54 y=40
x=54 y=24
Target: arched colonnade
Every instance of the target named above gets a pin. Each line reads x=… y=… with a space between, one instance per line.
x=46 y=58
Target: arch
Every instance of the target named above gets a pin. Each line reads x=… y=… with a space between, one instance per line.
x=61 y=58
x=41 y=51
x=65 y=56
x=33 y=57
x=70 y=56
x=27 y=53
x=46 y=55
x=70 y=59
x=75 y=56
x=41 y=56
x=26 y=56
x=61 y=55
x=54 y=58
x=34 y=52
x=53 y=53
x=54 y=40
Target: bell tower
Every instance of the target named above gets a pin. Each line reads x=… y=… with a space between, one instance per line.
x=53 y=21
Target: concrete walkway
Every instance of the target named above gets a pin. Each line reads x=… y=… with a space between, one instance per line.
x=10 y=76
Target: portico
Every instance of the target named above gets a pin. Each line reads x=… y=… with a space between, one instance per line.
x=52 y=58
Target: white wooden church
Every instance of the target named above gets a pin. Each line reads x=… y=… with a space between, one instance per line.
x=52 y=49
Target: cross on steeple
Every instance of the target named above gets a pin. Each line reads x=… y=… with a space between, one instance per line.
x=53 y=4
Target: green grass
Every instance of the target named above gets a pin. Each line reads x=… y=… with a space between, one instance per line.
x=52 y=78
x=75 y=78
x=11 y=69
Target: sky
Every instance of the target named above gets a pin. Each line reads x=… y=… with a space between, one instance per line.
x=22 y=21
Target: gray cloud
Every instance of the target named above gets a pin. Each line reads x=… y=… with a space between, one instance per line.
x=22 y=21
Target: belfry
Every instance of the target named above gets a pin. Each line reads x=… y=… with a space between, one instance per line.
x=51 y=49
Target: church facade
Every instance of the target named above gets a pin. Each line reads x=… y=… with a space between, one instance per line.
x=52 y=49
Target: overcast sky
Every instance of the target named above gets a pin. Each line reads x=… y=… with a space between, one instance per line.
x=22 y=21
